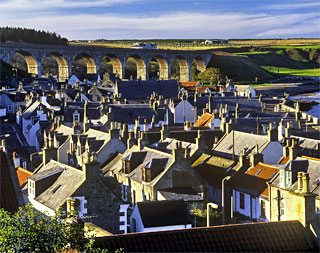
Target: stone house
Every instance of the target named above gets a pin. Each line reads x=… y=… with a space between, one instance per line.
x=143 y=171
x=54 y=185
x=250 y=191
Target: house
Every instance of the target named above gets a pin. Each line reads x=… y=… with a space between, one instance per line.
x=159 y=215
x=208 y=120
x=245 y=91
x=283 y=236
x=182 y=111
x=12 y=100
x=250 y=191
x=105 y=145
x=55 y=185
x=30 y=118
x=294 y=193
x=142 y=171
x=234 y=142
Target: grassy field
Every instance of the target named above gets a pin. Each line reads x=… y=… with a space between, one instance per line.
x=176 y=45
x=284 y=42
x=293 y=72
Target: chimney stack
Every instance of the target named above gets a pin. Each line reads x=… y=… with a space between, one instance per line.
x=131 y=140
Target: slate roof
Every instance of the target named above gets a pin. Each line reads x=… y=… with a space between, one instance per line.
x=242 y=140
x=214 y=168
x=169 y=144
x=187 y=194
x=244 y=103
x=136 y=89
x=8 y=197
x=31 y=110
x=307 y=145
x=283 y=236
x=128 y=113
x=304 y=164
x=163 y=213
x=68 y=181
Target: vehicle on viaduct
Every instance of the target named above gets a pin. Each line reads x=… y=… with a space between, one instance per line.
x=34 y=56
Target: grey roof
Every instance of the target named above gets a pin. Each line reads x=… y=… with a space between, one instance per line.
x=142 y=89
x=163 y=213
x=141 y=158
x=57 y=193
x=49 y=169
x=311 y=166
x=31 y=110
x=244 y=103
x=185 y=193
x=241 y=141
x=169 y=144
x=128 y=113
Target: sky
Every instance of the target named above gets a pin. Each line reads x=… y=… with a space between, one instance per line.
x=166 y=19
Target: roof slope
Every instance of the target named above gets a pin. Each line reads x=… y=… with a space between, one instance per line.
x=163 y=213
x=284 y=236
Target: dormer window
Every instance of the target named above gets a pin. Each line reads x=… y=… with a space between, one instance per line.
x=126 y=166
x=146 y=174
x=76 y=116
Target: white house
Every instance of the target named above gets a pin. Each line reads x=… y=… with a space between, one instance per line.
x=159 y=215
x=245 y=91
x=73 y=80
x=183 y=111
x=251 y=193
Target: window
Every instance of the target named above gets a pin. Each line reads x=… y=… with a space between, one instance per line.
x=76 y=117
x=10 y=108
x=31 y=188
x=241 y=200
x=263 y=209
x=281 y=208
x=146 y=174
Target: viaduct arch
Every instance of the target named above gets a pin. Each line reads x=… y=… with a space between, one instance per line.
x=117 y=57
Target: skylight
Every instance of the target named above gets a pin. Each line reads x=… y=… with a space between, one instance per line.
x=272 y=175
x=258 y=172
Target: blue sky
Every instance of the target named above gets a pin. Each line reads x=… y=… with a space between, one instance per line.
x=149 y=19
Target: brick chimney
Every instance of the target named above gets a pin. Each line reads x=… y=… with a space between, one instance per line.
x=178 y=152
x=294 y=149
x=131 y=140
x=255 y=157
x=90 y=166
x=49 y=152
x=113 y=131
x=201 y=142
x=272 y=133
x=165 y=133
x=143 y=141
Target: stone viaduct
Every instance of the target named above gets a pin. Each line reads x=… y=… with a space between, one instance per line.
x=34 y=55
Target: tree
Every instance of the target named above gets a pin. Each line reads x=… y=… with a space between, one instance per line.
x=210 y=75
x=29 y=230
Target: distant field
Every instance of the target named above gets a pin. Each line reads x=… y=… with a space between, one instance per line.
x=176 y=45
x=286 y=42
x=293 y=72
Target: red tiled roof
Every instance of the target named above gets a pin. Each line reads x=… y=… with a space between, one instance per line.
x=204 y=120
x=267 y=172
x=23 y=175
x=189 y=84
x=8 y=198
x=283 y=236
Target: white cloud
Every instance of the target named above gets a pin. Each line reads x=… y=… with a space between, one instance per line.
x=51 y=5
x=294 y=5
x=170 y=25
